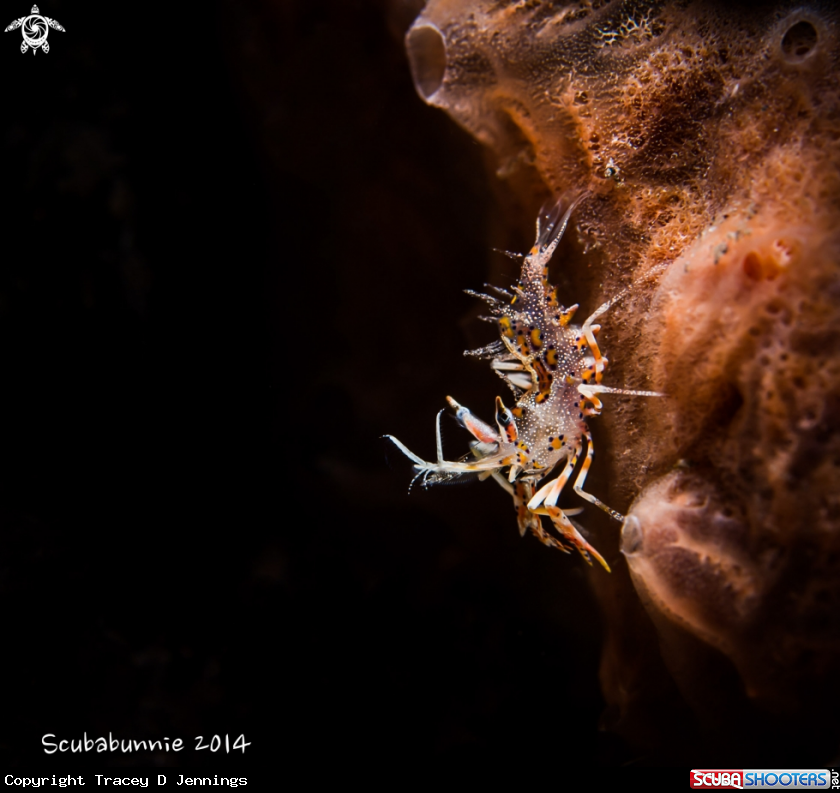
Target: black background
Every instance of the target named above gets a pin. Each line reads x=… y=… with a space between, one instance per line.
x=234 y=248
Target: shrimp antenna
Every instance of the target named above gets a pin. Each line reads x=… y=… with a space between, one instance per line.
x=510 y=254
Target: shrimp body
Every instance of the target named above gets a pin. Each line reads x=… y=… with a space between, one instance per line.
x=554 y=369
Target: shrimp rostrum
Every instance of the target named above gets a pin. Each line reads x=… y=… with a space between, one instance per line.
x=554 y=369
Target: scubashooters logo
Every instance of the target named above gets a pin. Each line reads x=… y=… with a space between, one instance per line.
x=35 y=30
x=763 y=778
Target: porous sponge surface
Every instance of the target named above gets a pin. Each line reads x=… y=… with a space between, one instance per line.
x=706 y=137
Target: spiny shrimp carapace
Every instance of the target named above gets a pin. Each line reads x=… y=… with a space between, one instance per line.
x=554 y=369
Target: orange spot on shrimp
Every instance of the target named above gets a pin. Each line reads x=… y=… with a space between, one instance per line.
x=567 y=314
x=544 y=380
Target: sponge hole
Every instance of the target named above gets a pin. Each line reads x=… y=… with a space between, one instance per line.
x=427 y=56
x=799 y=42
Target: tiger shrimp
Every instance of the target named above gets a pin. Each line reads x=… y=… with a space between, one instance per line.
x=554 y=369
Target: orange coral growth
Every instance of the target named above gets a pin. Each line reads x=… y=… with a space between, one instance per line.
x=707 y=139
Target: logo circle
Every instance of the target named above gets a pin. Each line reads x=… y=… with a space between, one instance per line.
x=35 y=32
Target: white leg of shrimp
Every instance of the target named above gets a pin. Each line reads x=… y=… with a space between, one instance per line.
x=445 y=466
x=551 y=492
x=588 y=390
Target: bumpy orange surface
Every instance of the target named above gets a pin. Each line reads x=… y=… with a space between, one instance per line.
x=706 y=137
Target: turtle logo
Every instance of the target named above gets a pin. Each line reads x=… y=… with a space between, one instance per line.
x=35 y=29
